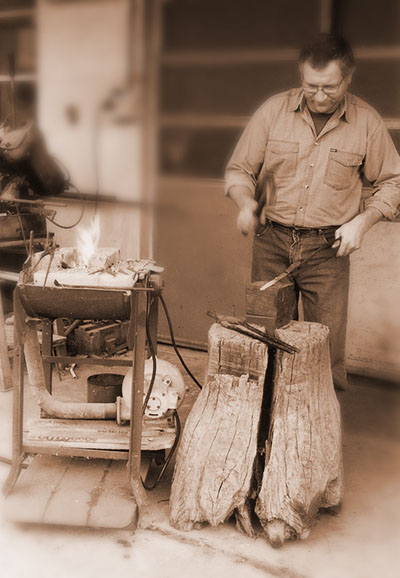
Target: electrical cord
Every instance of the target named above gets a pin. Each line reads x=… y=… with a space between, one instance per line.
x=171 y=331
x=171 y=453
x=176 y=415
x=151 y=385
x=80 y=216
x=154 y=359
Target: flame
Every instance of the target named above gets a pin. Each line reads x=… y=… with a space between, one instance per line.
x=88 y=241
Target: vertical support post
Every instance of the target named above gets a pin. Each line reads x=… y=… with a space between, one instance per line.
x=47 y=349
x=5 y=368
x=61 y=349
x=153 y=321
x=138 y=324
x=18 y=396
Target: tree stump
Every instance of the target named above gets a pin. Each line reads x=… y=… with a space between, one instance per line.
x=303 y=471
x=214 y=466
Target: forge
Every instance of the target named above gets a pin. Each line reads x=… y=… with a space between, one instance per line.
x=141 y=425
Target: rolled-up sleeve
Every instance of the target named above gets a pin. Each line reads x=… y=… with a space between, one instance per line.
x=382 y=169
x=247 y=159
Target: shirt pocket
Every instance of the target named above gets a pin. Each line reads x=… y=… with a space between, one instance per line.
x=341 y=169
x=281 y=158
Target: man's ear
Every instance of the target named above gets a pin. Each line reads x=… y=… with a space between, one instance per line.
x=349 y=76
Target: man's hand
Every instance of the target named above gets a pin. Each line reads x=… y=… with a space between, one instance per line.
x=247 y=218
x=243 y=199
x=350 y=235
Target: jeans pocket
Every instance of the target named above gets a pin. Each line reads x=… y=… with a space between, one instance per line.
x=261 y=230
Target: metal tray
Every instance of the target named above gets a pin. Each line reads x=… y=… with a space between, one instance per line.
x=75 y=302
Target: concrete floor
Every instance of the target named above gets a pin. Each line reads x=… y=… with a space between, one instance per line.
x=362 y=542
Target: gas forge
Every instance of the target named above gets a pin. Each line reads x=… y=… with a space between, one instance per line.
x=94 y=284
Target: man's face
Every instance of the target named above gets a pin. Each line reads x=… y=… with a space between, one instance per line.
x=329 y=79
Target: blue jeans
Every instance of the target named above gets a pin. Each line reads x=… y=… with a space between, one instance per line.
x=323 y=284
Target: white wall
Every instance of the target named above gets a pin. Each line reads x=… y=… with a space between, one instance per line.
x=83 y=57
x=373 y=339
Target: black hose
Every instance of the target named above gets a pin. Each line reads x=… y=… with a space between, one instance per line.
x=171 y=453
x=154 y=359
x=171 y=331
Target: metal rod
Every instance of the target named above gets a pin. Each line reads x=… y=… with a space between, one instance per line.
x=9 y=276
x=73 y=326
x=102 y=288
x=237 y=325
x=138 y=317
x=76 y=452
x=68 y=360
x=47 y=348
x=279 y=343
x=267 y=340
x=20 y=243
x=39 y=203
x=297 y=265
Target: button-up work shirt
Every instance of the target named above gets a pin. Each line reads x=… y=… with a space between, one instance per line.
x=307 y=180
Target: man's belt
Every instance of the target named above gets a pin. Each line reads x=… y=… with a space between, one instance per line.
x=302 y=230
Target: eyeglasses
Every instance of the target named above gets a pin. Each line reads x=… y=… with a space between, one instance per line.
x=328 y=90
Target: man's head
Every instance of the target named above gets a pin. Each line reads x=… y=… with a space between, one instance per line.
x=326 y=67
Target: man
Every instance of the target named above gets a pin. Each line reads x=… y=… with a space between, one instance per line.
x=296 y=177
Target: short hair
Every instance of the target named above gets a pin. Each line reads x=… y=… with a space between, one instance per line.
x=326 y=47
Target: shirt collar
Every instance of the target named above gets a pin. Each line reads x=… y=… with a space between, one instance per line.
x=297 y=102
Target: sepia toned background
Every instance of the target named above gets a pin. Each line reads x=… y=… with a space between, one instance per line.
x=143 y=101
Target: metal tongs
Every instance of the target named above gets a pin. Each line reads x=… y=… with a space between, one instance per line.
x=298 y=264
x=250 y=331
x=49 y=249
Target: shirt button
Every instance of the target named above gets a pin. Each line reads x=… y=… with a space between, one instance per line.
x=312 y=164
x=306 y=186
x=316 y=144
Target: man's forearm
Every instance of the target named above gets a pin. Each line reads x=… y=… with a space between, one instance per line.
x=350 y=236
x=368 y=218
x=242 y=197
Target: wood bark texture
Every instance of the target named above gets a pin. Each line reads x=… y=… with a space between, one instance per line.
x=214 y=467
x=304 y=470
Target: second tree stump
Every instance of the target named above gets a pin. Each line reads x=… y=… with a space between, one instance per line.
x=303 y=471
